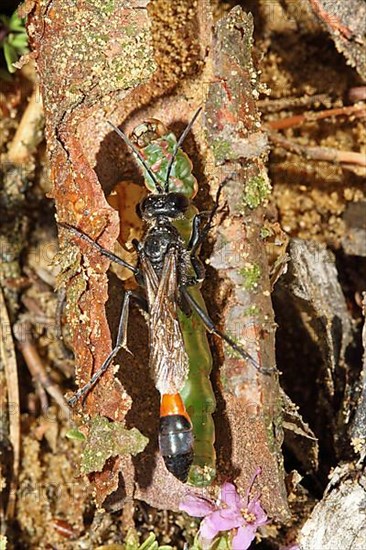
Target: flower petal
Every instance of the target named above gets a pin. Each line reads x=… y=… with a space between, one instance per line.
x=225 y=519
x=196 y=505
x=254 y=507
x=243 y=538
x=229 y=495
x=208 y=529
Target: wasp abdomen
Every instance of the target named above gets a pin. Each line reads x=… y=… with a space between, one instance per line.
x=176 y=444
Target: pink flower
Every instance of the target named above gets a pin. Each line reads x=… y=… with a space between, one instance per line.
x=229 y=513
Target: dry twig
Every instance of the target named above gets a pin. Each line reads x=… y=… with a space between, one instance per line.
x=298 y=120
x=8 y=357
x=269 y=105
x=29 y=132
x=328 y=154
x=26 y=344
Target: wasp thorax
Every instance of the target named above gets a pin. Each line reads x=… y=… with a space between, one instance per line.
x=167 y=205
x=158 y=241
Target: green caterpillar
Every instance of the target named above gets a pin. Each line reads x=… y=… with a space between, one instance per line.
x=156 y=146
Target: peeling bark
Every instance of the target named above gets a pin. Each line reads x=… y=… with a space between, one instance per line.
x=311 y=287
x=253 y=436
x=84 y=55
x=347 y=31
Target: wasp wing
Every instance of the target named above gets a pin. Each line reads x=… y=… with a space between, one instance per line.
x=169 y=363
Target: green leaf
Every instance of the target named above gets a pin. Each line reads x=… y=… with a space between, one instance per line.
x=148 y=542
x=222 y=543
x=19 y=41
x=132 y=542
x=11 y=56
x=196 y=544
x=75 y=434
x=151 y=544
x=16 y=23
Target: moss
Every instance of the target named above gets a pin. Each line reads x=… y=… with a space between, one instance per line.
x=266 y=232
x=256 y=191
x=130 y=30
x=105 y=6
x=252 y=311
x=73 y=278
x=222 y=150
x=251 y=275
x=108 y=6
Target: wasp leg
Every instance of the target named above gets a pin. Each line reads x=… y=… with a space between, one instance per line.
x=121 y=342
x=199 y=235
x=210 y=326
x=193 y=247
x=195 y=238
x=107 y=253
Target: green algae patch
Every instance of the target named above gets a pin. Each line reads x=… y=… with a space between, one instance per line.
x=107 y=439
x=222 y=150
x=251 y=275
x=257 y=190
x=252 y=311
x=265 y=233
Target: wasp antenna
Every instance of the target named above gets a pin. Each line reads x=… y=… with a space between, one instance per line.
x=129 y=144
x=177 y=145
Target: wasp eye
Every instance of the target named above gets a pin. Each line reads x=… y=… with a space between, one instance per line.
x=179 y=202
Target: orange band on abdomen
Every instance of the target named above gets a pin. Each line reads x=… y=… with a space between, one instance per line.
x=172 y=403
